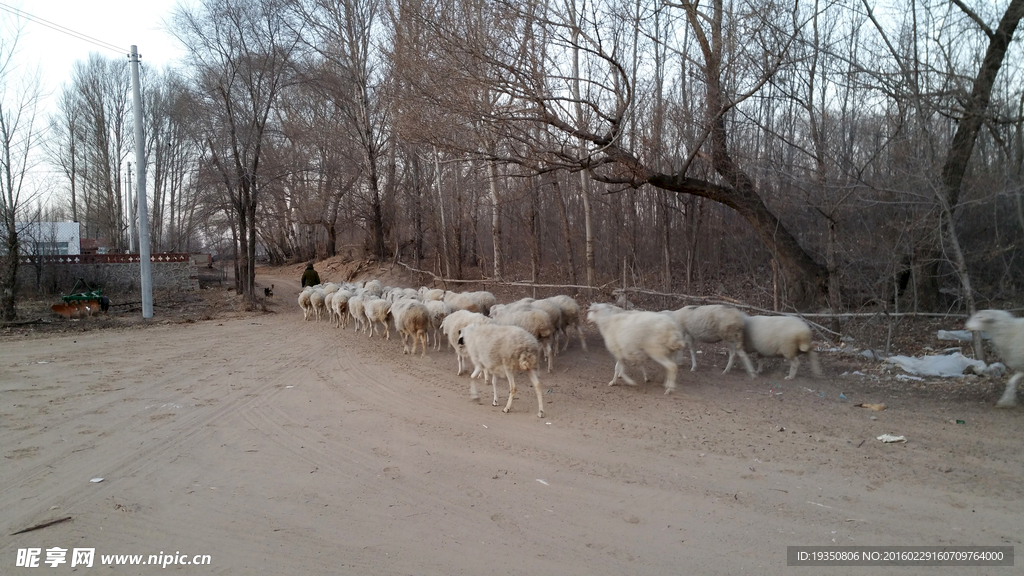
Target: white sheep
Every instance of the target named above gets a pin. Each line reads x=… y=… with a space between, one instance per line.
x=378 y=310
x=713 y=323
x=785 y=336
x=1007 y=337
x=340 y=303
x=305 y=304
x=438 y=312
x=411 y=319
x=570 y=317
x=553 y=311
x=473 y=301
x=357 y=310
x=451 y=326
x=316 y=301
x=329 y=305
x=632 y=336
x=498 y=349
x=535 y=321
x=431 y=293
x=374 y=287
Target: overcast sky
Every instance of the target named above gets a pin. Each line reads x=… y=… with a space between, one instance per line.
x=48 y=32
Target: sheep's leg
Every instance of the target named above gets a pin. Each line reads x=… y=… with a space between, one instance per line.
x=540 y=397
x=423 y=338
x=511 y=389
x=615 y=374
x=747 y=364
x=461 y=360
x=793 y=365
x=547 y=350
x=815 y=365
x=494 y=388
x=1009 y=398
x=670 y=373
x=620 y=370
x=583 y=339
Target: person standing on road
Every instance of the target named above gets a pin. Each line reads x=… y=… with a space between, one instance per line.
x=310 y=277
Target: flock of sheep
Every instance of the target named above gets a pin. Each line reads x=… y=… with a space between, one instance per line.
x=500 y=340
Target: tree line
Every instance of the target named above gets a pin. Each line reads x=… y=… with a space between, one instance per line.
x=817 y=154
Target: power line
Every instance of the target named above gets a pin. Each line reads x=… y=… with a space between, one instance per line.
x=62 y=29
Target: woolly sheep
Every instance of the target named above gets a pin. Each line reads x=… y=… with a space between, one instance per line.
x=570 y=317
x=451 y=326
x=411 y=319
x=431 y=294
x=786 y=336
x=378 y=310
x=316 y=301
x=357 y=310
x=631 y=336
x=438 y=311
x=499 y=349
x=710 y=324
x=1007 y=337
x=340 y=303
x=473 y=301
x=329 y=305
x=537 y=322
x=374 y=287
x=552 y=310
x=305 y=304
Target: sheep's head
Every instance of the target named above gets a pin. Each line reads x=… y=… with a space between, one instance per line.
x=598 y=309
x=987 y=319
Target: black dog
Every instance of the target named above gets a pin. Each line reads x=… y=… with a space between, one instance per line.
x=268 y=292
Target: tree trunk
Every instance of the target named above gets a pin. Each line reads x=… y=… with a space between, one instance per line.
x=499 y=258
x=566 y=230
x=966 y=134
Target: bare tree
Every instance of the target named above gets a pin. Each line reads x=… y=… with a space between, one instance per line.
x=96 y=137
x=20 y=95
x=240 y=53
x=607 y=98
x=343 y=33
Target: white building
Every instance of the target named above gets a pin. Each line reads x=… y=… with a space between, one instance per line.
x=50 y=238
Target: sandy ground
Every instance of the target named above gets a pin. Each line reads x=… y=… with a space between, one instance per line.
x=282 y=447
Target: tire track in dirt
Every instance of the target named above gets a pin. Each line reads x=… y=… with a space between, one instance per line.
x=166 y=421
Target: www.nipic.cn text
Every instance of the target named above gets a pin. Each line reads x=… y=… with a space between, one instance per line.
x=86 y=557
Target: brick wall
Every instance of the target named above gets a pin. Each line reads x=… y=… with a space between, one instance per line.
x=114 y=273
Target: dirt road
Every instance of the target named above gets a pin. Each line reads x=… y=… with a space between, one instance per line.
x=278 y=446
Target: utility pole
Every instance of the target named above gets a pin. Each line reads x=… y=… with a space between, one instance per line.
x=131 y=215
x=145 y=264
